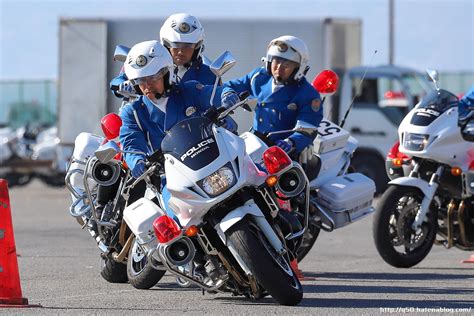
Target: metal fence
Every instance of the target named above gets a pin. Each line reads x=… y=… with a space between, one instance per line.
x=28 y=101
x=35 y=101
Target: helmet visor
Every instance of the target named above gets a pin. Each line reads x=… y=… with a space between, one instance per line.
x=151 y=79
x=179 y=45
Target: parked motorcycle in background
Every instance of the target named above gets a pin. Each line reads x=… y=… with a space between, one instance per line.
x=32 y=152
x=436 y=198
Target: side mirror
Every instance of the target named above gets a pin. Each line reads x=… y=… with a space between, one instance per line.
x=222 y=64
x=110 y=125
x=121 y=53
x=304 y=127
x=432 y=75
x=206 y=61
x=326 y=82
x=107 y=151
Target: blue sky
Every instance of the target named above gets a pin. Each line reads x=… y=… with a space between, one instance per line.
x=429 y=33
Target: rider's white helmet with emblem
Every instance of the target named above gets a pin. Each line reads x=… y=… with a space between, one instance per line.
x=147 y=59
x=182 y=28
x=291 y=48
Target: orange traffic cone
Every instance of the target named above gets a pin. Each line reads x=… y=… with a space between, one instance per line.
x=470 y=260
x=10 y=288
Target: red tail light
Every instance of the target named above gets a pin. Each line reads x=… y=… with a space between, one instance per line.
x=111 y=124
x=326 y=82
x=275 y=159
x=166 y=229
x=470 y=155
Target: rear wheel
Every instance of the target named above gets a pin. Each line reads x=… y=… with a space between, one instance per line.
x=396 y=241
x=272 y=270
x=141 y=273
x=113 y=271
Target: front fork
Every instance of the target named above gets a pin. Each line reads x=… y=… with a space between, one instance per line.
x=428 y=191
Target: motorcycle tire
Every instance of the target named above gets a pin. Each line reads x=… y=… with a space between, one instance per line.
x=113 y=271
x=140 y=272
x=309 y=239
x=386 y=227
x=272 y=271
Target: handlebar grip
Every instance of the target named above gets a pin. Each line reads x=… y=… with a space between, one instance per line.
x=244 y=95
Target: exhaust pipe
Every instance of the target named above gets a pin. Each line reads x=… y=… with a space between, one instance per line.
x=179 y=252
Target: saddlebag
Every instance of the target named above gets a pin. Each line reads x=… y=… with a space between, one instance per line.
x=346 y=199
x=139 y=217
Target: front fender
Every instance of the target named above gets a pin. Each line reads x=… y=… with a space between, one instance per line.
x=424 y=186
x=249 y=208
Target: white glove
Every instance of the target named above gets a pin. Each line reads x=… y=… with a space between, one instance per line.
x=126 y=90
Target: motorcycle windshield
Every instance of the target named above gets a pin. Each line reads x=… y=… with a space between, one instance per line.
x=432 y=106
x=192 y=142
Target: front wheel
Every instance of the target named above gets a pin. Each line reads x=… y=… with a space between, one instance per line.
x=141 y=273
x=396 y=241
x=271 y=269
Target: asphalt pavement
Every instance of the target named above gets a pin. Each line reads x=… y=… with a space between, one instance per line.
x=59 y=270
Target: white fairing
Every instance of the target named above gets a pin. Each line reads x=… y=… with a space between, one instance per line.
x=139 y=217
x=84 y=147
x=445 y=142
x=188 y=201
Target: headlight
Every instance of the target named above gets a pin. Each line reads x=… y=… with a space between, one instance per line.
x=219 y=181
x=415 y=142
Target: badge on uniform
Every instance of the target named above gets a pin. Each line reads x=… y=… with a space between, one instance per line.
x=292 y=106
x=199 y=86
x=190 y=110
x=316 y=105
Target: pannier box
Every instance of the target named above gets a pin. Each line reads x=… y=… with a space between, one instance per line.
x=139 y=217
x=347 y=198
x=330 y=137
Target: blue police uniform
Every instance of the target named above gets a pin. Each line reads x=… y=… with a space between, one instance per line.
x=198 y=71
x=144 y=125
x=466 y=104
x=279 y=110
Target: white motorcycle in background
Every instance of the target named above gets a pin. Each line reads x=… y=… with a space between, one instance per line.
x=336 y=198
x=437 y=196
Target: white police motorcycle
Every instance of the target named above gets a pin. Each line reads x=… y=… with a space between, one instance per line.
x=436 y=198
x=223 y=234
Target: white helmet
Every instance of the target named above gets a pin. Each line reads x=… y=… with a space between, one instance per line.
x=291 y=48
x=149 y=58
x=183 y=28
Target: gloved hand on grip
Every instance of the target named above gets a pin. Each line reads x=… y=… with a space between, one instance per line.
x=286 y=145
x=126 y=89
x=229 y=99
x=138 y=169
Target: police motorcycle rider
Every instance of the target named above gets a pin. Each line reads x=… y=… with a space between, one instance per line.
x=183 y=35
x=162 y=103
x=466 y=104
x=283 y=94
